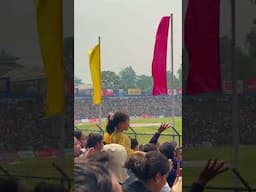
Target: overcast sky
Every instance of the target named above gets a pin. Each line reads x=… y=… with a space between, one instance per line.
x=127 y=29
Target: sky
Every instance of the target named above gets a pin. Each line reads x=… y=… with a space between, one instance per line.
x=127 y=32
x=127 y=29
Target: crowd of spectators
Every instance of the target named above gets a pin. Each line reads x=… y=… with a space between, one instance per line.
x=211 y=118
x=24 y=125
x=135 y=106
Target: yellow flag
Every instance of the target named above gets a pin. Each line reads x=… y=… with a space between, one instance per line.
x=49 y=27
x=94 y=59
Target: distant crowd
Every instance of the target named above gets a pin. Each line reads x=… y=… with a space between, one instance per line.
x=135 y=106
x=23 y=122
x=211 y=118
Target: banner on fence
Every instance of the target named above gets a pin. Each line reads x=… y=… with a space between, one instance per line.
x=134 y=92
x=251 y=85
x=26 y=154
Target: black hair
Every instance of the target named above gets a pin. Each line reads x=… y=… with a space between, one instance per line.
x=167 y=149
x=78 y=134
x=148 y=147
x=147 y=166
x=92 y=177
x=134 y=143
x=93 y=139
x=117 y=118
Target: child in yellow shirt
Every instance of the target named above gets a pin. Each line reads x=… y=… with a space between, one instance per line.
x=118 y=123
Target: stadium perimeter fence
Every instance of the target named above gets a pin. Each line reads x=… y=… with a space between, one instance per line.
x=141 y=136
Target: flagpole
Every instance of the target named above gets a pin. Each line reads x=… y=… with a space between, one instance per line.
x=235 y=128
x=172 y=68
x=100 y=110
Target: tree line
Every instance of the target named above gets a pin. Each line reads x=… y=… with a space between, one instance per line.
x=128 y=79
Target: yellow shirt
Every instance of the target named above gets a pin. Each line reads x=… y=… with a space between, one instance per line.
x=106 y=138
x=122 y=139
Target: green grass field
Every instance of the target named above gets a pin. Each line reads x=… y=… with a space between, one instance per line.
x=202 y=154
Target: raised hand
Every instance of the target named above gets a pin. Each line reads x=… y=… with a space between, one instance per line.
x=163 y=127
x=211 y=170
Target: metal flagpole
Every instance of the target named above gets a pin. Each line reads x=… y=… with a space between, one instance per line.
x=100 y=110
x=235 y=127
x=172 y=68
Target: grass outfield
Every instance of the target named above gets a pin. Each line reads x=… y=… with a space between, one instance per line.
x=37 y=168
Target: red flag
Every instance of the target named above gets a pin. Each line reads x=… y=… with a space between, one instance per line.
x=159 y=59
x=202 y=43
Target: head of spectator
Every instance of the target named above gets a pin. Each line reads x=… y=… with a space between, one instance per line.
x=118 y=156
x=167 y=149
x=118 y=121
x=148 y=147
x=151 y=168
x=134 y=145
x=77 y=147
x=80 y=137
x=94 y=177
x=95 y=140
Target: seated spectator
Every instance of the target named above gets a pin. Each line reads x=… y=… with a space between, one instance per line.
x=118 y=156
x=168 y=151
x=134 y=145
x=94 y=177
x=95 y=141
x=81 y=138
x=148 y=147
x=77 y=148
x=151 y=170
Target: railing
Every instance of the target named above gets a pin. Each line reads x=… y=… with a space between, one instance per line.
x=135 y=134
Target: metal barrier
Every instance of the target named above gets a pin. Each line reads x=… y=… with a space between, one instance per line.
x=135 y=134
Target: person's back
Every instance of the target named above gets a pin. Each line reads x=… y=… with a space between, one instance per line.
x=122 y=139
x=150 y=171
x=135 y=186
